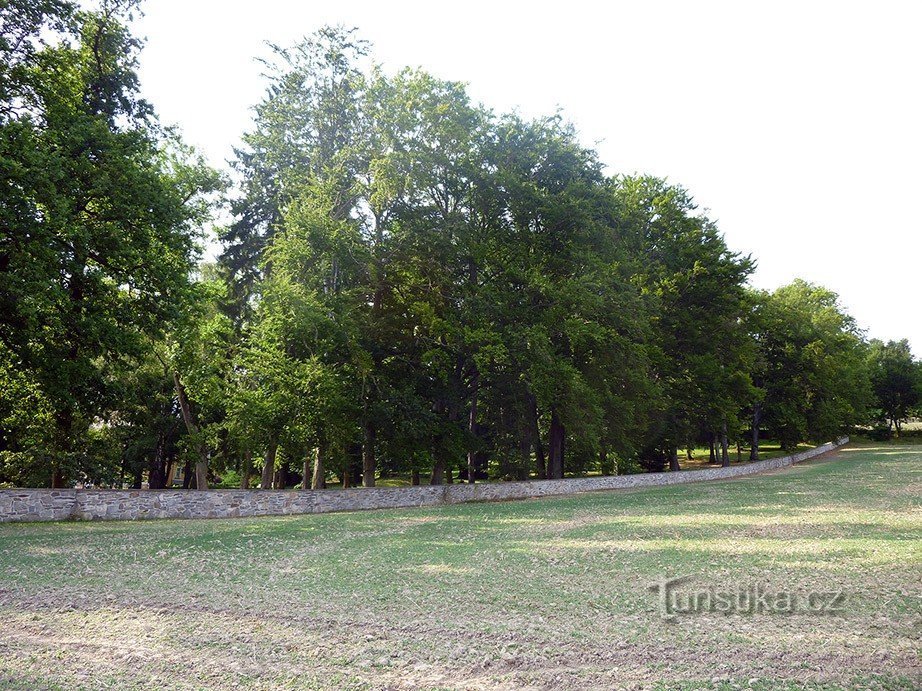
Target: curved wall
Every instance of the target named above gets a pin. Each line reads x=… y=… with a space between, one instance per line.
x=111 y=504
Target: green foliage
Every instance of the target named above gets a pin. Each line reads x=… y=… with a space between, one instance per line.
x=896 y=381
x=814 y=376
x=694 y=286
x=410 y=282
x=100 y=216
x=26 y=418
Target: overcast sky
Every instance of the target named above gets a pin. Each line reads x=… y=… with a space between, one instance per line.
x=798 y=125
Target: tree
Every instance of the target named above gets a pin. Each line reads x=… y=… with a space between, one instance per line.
x=570 y=322
x=291 y=391
x=694 y=287
x=101 y=214
x=895 y=381
x=147 y=424
x=815 y=378
x=410 y=283
x=304 y=128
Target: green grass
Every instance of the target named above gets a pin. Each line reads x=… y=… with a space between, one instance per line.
x=545 y=593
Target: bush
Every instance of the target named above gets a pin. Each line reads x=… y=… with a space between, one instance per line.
x=629 y=466
x=230 y=479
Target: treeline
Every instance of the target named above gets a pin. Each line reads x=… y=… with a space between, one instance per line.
x=411 y=283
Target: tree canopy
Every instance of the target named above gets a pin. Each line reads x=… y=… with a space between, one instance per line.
x=409 y=283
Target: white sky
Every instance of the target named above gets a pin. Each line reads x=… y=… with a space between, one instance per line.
x=797 y=124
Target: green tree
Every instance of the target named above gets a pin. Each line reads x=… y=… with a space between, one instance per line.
x=304 y=131
x=101 y=215
x=895 y=380
x=695 y=289
x=815 y=378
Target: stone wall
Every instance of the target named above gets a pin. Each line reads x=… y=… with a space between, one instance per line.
x=109 y=504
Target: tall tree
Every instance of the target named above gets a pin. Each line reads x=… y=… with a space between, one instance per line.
x=303 y=134
x=694 y=286
x=103 y=210
x=815 y=382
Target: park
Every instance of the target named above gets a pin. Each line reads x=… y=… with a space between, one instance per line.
x=409 y=387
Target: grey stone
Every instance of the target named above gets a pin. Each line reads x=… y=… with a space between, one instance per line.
x=58 y=505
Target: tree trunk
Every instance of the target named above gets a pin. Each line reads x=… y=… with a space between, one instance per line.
x=346 y=475
x=317 y=482
x=472 y=430
x=201 y=465
x=138 y=479
x=524 y=453
x=306 y=472
x=437 y=477
x=756 y=421
x=414 y=477
x=121 y=473
x=368 y=455
x=281 y=476
x=674 y=459
x=156 y=472
x=540 y=465
x=354 y=463
x=269 y=465
x=187 y=476
x=555 y=460
x=724 y=453
x=247 y=470
x=201 y=474
x=712 y=456
x=449 y=476
x=57 y=479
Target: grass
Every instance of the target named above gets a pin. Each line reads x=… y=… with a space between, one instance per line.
x=542 y=594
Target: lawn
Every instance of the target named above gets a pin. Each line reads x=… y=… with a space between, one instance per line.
x=545 y=593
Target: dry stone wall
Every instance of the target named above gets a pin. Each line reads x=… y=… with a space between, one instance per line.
x=109 y=504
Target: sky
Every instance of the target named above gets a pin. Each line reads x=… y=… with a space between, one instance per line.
x=797 y=125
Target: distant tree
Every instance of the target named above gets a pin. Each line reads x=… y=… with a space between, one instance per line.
x=694 y=286
x=815 y=379
x=895 y=380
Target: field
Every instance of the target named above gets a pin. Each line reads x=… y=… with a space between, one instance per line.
x=541 y=594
